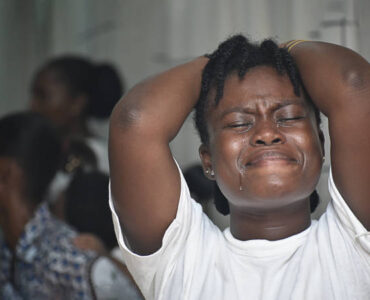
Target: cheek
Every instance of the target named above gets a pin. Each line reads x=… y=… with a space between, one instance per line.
x=309 y=146
x=58 y=109
x=225 y=161
x=226 y=152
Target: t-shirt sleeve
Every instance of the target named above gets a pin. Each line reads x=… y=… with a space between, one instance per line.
x=152 y=271
x=354 y=228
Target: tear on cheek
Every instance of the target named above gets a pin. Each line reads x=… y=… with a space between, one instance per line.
x=241 y=177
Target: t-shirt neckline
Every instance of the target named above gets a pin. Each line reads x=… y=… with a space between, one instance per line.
x=266 y=248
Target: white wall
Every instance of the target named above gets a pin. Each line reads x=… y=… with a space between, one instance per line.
x=23 y=45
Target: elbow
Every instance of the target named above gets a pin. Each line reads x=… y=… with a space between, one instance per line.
x=126 y=115
x=357 y=79
x=132 y=111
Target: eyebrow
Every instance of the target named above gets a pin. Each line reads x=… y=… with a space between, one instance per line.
x=249 y=110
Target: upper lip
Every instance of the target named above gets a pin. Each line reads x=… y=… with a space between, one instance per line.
x=270 y=154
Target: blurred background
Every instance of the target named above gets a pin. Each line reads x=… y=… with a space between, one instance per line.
x=143 y=37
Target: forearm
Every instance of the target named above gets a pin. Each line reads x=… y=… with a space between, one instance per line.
x=338 y=81
x=330 y=73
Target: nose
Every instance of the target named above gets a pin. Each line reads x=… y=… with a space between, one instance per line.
x=267 y=134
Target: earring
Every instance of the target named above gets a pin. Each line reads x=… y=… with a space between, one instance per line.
x=323 y=159
x=210 y=172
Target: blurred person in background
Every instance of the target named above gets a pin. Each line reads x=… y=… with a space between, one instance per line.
x=87 y=211
x=71 y=91
x=38 y=257
x=86 y=206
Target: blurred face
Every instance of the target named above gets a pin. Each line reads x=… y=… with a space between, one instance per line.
x=51 y=98
x=264 y=144
x=12 y=182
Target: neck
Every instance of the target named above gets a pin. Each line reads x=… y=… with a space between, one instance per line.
x=13 y=221
x=271 y=225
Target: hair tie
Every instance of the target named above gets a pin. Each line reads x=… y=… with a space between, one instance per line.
x=293 y=43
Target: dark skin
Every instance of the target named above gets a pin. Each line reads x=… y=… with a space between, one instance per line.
x=51 y=97
x=267 y=138
x=345 y=100
x=285 y=156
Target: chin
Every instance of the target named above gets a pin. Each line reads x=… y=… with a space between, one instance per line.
x=266 y=204
x=273 y=193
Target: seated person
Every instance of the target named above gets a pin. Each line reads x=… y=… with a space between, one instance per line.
x=76 y=94
x=72 y=91
x=87 y=211
x=77 y=156
x=38 y=259
x=86 y=208
x=258 y=114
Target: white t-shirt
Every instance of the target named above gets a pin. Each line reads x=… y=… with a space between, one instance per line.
x=329 y=260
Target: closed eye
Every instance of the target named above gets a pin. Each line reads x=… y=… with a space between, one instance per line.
x=239 y=125
x=289 y=119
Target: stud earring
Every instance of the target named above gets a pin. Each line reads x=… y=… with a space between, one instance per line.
x=323 y=159
x=212 y=173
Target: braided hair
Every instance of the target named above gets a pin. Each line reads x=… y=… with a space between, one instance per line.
x=237 y=56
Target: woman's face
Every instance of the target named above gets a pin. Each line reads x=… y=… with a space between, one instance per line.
x=264 y=144
x=51 y=97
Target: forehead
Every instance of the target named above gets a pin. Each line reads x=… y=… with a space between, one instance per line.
x=47 y=76
x=261 y=86
x=48 y=80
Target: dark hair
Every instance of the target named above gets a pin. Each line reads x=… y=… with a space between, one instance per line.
x=237 y=55
x=201 y=188
x=99 y=82
x=86 y=206
x=33 y=143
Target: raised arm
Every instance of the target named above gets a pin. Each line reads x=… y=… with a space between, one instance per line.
x=144 y=178
x=338 y=80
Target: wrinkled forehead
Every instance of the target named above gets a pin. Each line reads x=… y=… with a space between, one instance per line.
x=260 y=86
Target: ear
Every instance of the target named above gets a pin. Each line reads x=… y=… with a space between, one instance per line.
x=205 y=157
